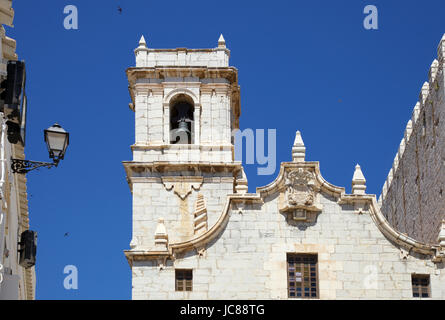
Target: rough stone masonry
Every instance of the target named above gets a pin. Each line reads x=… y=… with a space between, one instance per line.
x=413 y=196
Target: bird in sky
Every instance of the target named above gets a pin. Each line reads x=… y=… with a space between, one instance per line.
x=66 y=234
x=119 y=9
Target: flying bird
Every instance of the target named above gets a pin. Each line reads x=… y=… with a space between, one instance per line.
x=66 y=234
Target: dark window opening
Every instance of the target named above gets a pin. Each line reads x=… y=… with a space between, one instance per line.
x=421 y=285
x=302 y=275
x=184 y=280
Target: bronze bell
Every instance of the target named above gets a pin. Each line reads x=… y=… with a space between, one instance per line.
x=182 y=133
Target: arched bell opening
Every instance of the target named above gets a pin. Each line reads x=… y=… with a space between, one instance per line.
x=181 y=120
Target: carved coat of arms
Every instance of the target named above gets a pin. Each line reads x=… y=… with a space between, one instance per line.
x=300 y=188
x=300 y=193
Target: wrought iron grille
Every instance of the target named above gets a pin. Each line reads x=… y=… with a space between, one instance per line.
x=302 y=275
x=184 y=280
x=421 y=285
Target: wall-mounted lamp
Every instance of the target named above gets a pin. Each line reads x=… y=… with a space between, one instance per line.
x=57 y=140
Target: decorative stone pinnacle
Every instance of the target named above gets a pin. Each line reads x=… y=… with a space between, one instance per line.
x=424 y=92
x=142 y=43
x=133 y=243
x=221 y=42
x=408 y=130
x=416 y=112
x=241 y=185
x=433 y=71
x=161 y=236
x=298 y=149
x=358 y=181
x=441 y=49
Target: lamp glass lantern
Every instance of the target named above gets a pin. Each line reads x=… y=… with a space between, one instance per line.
x=57 y=140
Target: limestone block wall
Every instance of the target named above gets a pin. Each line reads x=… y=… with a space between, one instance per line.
x=248 y=259
x=413 y=196
x=152 y=200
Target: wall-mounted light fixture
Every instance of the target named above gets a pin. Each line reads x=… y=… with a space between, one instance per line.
x=28 y=248
x=57 y=140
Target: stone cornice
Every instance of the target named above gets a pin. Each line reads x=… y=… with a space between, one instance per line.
x=134 y=73
x=201 y=147
x=136 y=171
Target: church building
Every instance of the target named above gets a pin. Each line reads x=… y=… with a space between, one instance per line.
x=199 y=234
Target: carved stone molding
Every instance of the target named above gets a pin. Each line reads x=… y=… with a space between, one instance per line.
x=182 y=186
x=404 y=253
x=299 y=195
x=201 y=251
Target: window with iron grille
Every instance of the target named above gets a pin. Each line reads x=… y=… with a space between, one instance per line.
x=184 y=280
x=421 y=285
x=302 y=275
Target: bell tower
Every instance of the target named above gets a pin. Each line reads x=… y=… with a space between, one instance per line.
x=186 y=104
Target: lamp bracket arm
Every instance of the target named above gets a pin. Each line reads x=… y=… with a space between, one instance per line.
x=24 y=166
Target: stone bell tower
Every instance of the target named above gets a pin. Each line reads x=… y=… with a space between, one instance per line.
x=186 y=104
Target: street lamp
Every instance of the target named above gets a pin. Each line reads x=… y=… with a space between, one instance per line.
x=57 y=140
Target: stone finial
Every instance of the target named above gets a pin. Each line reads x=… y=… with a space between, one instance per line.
x=141 y=53
x=161 y=236
x=142 y=43
x=241 y=185
x=402 y=147
x=221 y=42
x=408 y=130
x=200 y=221
x=424 y=92
x=442 y=235
x=358 y=181
x=416 y=112
x=390 y=177
x=133 y=243
x=395 y=164
x=298 y=149
x=433 y=71
x=441 y=50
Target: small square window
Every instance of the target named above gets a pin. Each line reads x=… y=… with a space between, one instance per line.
x=183 y=280
x=421 y=285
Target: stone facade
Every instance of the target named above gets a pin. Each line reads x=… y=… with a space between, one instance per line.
x=16 y=282
x=191 y=208
x=413 y=197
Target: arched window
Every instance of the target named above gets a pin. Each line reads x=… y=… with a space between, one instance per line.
x=181 y=120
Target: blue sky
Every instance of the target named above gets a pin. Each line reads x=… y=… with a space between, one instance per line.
x=303 y=65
